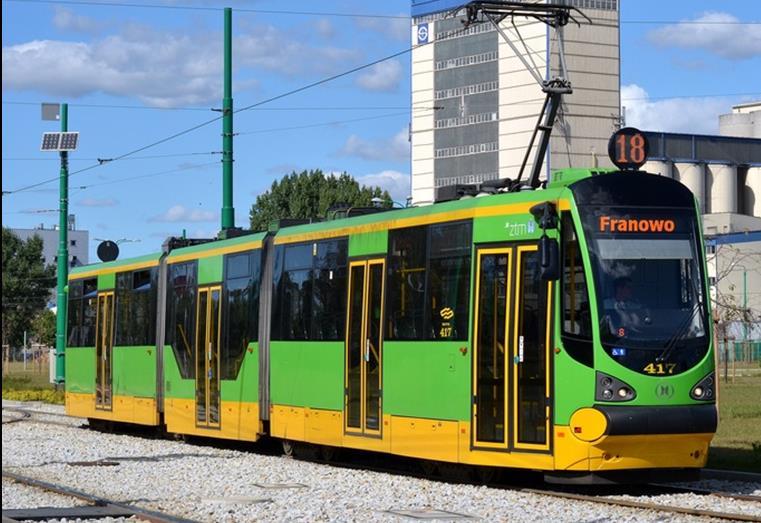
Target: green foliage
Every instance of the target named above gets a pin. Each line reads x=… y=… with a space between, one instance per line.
x=25 y=388
x=44 y=327
x=309 y=194
x=26 y=285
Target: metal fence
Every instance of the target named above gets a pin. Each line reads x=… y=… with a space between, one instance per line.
x=745 y=352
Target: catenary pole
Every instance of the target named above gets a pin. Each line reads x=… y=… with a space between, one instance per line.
x=63 y=256
x=228 y=212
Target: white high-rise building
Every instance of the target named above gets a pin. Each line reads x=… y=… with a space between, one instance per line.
x=475 y=105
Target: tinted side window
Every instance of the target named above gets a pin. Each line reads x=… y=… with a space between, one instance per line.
x=429 y=282
x=74 y=312
x=241 y=309
x=577 y=320
x=136 y=308
x=406 y=304
x=181 y=310
x=310 y=291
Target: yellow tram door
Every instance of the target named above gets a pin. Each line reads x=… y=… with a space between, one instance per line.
x=208 y=316
x=511 y=387
x=104 y=348
x=364 y=343
x=531 y=353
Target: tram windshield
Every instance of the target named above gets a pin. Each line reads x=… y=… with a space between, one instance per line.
x=651 y=303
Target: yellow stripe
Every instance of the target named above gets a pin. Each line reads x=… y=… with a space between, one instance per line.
x=109 y=270
x=463 y=214
x=176 y=258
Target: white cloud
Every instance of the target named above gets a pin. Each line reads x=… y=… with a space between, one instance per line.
x=67 y=20
x=324 y=28
x=383 y=76
x=394 y=28
x=160 y=68
x=179 y=213
x=396 y=183
x=677 y=115
x=96 y=202
x=716 y=32
x=394 y=149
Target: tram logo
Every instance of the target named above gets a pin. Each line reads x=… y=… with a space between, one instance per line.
x=520 y=229
x=612 y=224
x=664 y=391
x=447 y=313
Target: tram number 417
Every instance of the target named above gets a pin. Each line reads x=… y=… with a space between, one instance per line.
x=660 y=368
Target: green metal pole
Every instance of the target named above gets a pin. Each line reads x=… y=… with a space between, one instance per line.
x=228 y=212
x=63 y=256
x=745 y=305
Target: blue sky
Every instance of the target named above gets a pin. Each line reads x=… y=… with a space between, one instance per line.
x=165 y=66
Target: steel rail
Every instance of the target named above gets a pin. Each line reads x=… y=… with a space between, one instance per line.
x=149 y=515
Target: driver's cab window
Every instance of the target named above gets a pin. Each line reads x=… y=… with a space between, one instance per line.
x=577 y=319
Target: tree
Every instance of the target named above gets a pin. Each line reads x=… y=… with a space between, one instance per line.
x=44 y=327
x=309 y=194
x=26 y=285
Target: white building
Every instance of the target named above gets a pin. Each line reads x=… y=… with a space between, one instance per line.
x=78 y=242
x=475 y=105
x=743 y=121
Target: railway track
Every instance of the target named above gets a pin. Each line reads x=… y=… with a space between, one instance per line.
x=366 y=461
x=97 y=507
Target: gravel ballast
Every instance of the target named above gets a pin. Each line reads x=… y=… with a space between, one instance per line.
x=208 y=483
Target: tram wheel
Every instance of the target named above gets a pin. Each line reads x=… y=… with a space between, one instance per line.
x=429 y=467
x=288 y=447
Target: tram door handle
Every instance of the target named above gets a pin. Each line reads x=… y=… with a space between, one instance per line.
x=367 y=350
x=520 y=349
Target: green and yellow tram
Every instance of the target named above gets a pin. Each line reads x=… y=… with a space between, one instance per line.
x=564 y=329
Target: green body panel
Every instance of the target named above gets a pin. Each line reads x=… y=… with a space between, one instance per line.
x=307 y=374
x=210 y=270
x=245 y=387
x=106 y=282
x=80 y=370
x=175 y=386
x=427 y=379
x=506 y=228
x=566 y=177
x=368 y=244
x=134 y=371
x=115 y=265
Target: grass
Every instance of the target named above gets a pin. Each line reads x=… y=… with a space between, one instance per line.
x=30 y=385
x=737 y=444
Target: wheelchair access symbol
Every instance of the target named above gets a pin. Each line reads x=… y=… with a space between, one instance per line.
x=422 y=34
x=664 y=391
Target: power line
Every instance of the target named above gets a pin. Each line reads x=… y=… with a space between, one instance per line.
x=322 y=124
x=217 y=118
x=103 y=160
x=306 y=108
x=150 y=175
x=204 y=8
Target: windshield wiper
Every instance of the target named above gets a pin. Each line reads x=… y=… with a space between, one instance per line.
x=683 y=328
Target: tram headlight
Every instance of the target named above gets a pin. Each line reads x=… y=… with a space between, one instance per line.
x=704 y=389
x=608 y=388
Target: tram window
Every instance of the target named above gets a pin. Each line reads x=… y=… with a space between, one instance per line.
x=405 y=305
x=449 y=280
x=74 y=313
x=329 y=290
x=241 y=314
x=310 y=291
x=83 y=296
x=180 y=318
x=577 y=320
x=136 y=308
x=429 y=282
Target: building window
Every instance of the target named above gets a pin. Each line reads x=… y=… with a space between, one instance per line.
x=73 y=243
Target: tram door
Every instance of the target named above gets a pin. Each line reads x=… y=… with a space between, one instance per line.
x=104 y=348
x=511 y=406
x=364 y=345
x=208 y=315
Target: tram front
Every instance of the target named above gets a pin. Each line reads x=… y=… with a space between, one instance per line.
x=635 y=325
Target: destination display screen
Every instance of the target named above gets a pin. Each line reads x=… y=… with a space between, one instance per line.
x=651 y=303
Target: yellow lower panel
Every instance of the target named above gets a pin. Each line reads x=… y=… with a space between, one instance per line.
x=500 y=458
x=630 y=452
x=126 y=409
x=323 y=426
x=424 y=438
x=239 y=421
x=288 y=422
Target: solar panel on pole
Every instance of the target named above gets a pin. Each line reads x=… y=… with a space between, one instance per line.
x=50 y=141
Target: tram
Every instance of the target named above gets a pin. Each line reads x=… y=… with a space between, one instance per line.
x=565 y=329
